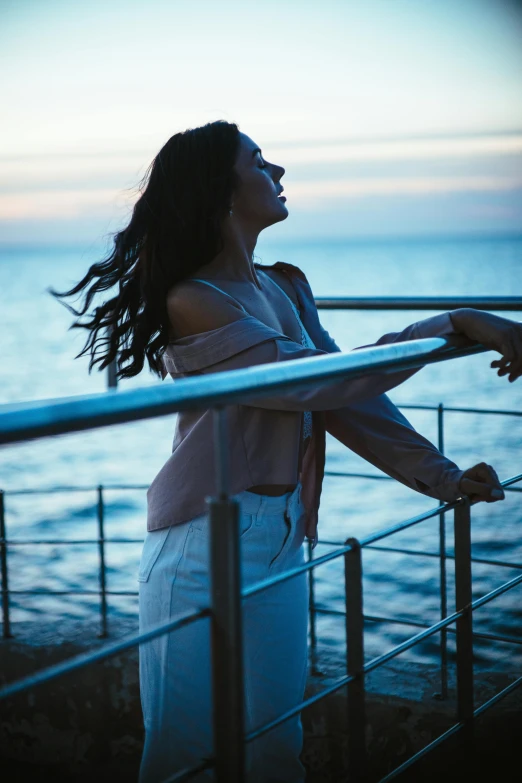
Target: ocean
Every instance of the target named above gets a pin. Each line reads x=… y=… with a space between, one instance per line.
x=37 y=361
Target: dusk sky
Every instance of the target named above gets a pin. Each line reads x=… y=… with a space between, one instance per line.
x=390 y=118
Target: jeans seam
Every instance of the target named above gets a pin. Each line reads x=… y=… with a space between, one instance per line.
x=145 y=572
x=172 y=583
x=283 y=549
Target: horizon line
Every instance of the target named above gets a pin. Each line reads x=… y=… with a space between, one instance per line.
x=353 y=239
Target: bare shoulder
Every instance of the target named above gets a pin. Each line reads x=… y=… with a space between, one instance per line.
x=194 y=308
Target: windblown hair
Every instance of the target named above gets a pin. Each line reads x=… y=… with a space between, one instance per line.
x=175 y=229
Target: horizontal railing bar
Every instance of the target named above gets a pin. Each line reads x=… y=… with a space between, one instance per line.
x=412 y=641
x=498 y=696
x=76 y=662
x=494 y=593
x=372 y=618
x=491 y=637
x=450 y=409
x=437 y=627
x=423 y=752
x=375 y=618
x=42 y=418
x=426 y=515
x=257 y=587
x=395 y=620
x=345 y=474
x=71 y=488
x=507 y=482
x=72 y=592
x=510 y=303
x=406 y=524
x=418 y=552
x=71 y=541
x=294 y=710
x=188 y=774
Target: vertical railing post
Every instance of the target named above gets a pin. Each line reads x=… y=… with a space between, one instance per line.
x=357 y=759
x=311 y=610
x=6 y=623
x=227 y=642
x=442 y=576
x=112 y=367
x=101 y=550
x=463 y=599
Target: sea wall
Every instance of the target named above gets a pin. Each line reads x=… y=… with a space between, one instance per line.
x=88 y=724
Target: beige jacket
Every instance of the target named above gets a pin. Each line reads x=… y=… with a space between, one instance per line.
x=265 y=436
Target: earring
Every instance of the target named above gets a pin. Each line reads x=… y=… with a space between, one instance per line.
x=229 y=211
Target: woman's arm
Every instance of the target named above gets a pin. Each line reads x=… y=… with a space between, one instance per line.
x=494 y=332
x=378 y=432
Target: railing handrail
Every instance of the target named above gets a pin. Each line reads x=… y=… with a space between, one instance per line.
x=498 y=303
x=40 y=418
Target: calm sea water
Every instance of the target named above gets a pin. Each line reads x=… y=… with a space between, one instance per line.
x=37 y=361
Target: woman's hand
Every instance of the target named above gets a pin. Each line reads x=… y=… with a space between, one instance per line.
x=492 y=331
x=481 y=483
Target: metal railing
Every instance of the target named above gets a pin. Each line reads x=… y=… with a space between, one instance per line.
x=102 y=540
x=23 y=422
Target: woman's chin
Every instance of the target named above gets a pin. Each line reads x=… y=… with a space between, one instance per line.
x=283 y=216
x=277 y=216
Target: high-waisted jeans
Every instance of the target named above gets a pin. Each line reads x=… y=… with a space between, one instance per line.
x=175 y=668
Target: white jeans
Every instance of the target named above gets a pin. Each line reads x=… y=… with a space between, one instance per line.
x=175 y=669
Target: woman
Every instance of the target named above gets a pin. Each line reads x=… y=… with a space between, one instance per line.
x=192 y=301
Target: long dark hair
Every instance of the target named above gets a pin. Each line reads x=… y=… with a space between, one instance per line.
x=175 y=228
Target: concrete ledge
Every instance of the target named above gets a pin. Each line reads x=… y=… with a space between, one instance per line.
x=89 y=724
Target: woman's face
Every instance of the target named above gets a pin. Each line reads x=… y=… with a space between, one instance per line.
x=256 y=203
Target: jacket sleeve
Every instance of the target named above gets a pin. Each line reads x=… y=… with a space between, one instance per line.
x=378 y=432
x=328 y=396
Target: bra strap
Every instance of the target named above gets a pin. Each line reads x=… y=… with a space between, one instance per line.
x=199 y=280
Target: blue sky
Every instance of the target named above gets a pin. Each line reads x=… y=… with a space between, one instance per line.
x=391 y=118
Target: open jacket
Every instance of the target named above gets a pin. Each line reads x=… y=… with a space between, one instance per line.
x=265 y=435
